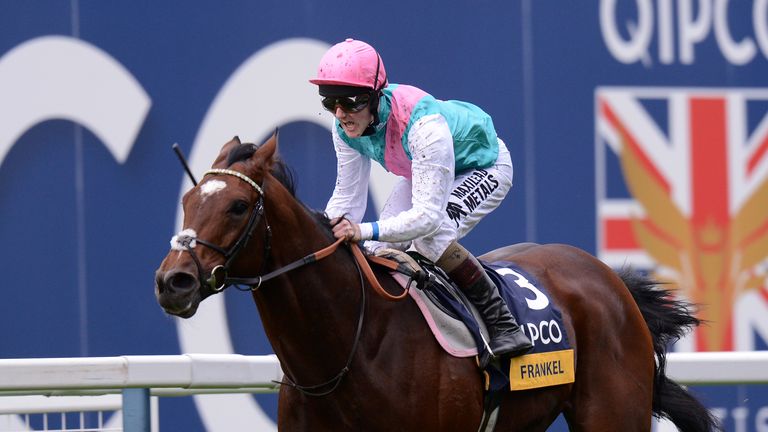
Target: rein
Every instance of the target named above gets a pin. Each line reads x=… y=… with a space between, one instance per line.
x=255 y=282
x=363 y=267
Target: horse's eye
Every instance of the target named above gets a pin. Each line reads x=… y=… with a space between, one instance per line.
x=238 y=208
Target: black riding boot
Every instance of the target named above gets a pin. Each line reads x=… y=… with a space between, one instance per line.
x=507 y=338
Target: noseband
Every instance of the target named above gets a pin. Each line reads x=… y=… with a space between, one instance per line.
x=187 y=240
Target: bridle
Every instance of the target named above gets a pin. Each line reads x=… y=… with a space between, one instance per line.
x=219 y=278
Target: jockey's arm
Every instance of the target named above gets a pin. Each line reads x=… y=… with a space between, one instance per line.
x=432 y=170
x=350 y=195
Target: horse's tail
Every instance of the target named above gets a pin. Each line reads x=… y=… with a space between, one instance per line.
x=668 y=320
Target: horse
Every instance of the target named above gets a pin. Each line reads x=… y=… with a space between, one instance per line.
x=354 y=361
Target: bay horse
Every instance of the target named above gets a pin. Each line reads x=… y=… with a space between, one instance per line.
x=355 y=361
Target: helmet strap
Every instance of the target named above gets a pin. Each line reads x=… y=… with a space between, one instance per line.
x=374 y=107
x=375 y=95
x=376 y=77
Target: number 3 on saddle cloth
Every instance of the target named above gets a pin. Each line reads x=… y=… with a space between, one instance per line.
x=459 y=330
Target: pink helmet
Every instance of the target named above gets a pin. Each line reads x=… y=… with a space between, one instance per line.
x=351 y=63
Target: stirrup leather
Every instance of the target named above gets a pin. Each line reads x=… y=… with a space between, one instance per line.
x=401 y=262
x=403 y=259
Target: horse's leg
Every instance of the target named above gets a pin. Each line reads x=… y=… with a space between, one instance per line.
x=294 y=414
x=531 y=410
x=616 y=398
x=610 y=403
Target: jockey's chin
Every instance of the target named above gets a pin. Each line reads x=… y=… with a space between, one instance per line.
x=354 y=124
x=352 y=129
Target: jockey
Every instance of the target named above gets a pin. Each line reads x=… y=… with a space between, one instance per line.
x=454 y=170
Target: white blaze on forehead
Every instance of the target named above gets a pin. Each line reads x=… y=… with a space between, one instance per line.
x=211 y=187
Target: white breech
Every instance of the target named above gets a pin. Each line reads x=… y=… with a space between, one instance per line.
x=474 y=194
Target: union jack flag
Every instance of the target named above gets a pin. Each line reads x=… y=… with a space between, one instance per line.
x=692 y=202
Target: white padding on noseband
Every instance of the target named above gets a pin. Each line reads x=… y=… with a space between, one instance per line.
x=184 y=240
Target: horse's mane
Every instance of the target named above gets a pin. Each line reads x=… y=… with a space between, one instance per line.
x=280 y=171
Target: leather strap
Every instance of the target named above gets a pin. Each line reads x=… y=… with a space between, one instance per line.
x=368 y=272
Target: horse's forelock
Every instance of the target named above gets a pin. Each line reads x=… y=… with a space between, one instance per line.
x=241 y=153
x=280 y=169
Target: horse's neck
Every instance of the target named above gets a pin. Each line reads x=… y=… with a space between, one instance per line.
x=311 y=311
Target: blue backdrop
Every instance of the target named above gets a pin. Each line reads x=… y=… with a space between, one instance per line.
x=83 y=228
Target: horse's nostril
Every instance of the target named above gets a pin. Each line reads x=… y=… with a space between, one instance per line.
x=159 y=282
x=181 y=281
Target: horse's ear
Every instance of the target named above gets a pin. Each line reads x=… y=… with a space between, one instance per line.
x=224 y=152
x=268 y=150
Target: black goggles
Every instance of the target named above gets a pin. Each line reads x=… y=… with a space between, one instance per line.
x=350 y=104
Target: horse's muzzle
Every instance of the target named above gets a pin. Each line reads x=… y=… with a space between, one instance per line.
x=177 y=292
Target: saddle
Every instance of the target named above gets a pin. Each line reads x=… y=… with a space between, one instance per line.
x=459 y=329
x=432 y=297
x=455 y=322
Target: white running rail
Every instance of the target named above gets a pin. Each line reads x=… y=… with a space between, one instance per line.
x=138 y=377
x=66 y=413
x=26 y=384
x=732 y=367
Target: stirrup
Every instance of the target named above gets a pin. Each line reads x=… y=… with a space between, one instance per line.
x=403 y=259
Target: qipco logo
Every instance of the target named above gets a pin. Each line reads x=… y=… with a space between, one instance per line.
x=678 y=30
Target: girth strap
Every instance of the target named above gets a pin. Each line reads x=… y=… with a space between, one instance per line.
x=491 y=406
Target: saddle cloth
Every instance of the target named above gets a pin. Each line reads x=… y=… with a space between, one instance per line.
x=457 y=327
